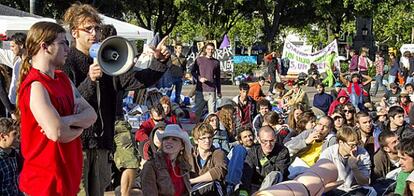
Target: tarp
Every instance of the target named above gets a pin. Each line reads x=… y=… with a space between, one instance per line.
x=13 y=24
x=299 y=61
x=127 y=30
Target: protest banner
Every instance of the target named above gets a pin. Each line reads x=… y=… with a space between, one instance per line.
x=299 y=61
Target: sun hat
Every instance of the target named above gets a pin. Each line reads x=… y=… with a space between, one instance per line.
x=173 y=130
x=223 y=102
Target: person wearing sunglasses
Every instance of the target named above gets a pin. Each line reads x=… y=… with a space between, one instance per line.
x=157 y=115
x=353 y=163
x=339 y=120
x=100 y=90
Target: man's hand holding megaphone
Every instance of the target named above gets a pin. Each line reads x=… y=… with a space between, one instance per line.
x=160 y=52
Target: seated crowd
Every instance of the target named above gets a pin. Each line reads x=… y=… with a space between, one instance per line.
x=247 y=145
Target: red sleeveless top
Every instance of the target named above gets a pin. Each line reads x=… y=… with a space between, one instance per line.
x=50 y=168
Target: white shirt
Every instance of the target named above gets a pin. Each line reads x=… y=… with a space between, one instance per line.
x=8 y=58
x=344 y=170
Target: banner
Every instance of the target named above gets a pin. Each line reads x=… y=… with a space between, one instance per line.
x=223 y=55
x=300 y=61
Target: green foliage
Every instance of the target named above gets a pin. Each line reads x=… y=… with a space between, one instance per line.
x=244 y=68
x=393 y=21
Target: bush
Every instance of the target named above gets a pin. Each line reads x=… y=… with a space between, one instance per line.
x=244 y=68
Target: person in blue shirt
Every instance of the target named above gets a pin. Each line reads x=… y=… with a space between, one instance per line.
x=321 y=100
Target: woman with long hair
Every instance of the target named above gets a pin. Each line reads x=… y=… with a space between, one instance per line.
x=295 y=111
x=339 y=120
x=349 y=111
x=53 y=116
x=168 y=173
x=227 y=118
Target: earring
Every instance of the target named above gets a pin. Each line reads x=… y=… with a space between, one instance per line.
x=181 y=152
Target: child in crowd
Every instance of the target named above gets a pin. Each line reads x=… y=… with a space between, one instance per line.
x=9 y=138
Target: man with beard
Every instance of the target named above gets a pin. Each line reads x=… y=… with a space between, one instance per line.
x=321 y=100
x=369 y=133
x=314 y=141
x=237 y=156
x=309 y=144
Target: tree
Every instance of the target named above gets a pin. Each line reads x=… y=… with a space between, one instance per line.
x=248 y=32
x=393 y=21
x=275 y=13
x=158 y=15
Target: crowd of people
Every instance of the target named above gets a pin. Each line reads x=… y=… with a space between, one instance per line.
x=68 y=123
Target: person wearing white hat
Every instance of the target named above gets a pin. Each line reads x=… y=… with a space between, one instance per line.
x=169 y=172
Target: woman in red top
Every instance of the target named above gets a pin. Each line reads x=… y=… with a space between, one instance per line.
x=53 y=115
x=170 y=115
x=168 y=173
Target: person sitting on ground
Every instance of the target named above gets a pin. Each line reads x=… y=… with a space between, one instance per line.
x=168 y=173
x=255 y=90
x=355 y=88
x=220 y=138
x=237 y=156
x=293 y=116
x=229 y=121
x=391 y=97
x=397 y=124
x=405 y=178
x=386 y=158
x=9 y=172
x=349 y=111
x=246 y=106
x=409 y=87
x=321 y=100
x=272 y=119
x=307 y=121
x=313 y=74
x=342 y=99
x=368 y=133
x=335 y=90
x=156 y=115
x=353 y=163
x=266 y=163
x=263 y=107
x=296 y=95
x=405 y=102
x=209 y=164
x=339 y=120
x=170 y=115
x=309 y=144
x=279 y=92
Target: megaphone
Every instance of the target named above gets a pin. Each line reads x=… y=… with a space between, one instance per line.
x=115 y=55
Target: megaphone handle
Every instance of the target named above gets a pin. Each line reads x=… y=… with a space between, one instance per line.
x=95 y=60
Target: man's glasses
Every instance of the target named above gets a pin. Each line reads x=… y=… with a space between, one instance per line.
x=90 y=29
x=205 y=138
x=267 y=141
x=352 y=146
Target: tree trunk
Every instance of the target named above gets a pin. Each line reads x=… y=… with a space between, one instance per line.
x=249 y=50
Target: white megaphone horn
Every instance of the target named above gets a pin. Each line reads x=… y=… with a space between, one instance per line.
x=115 y=55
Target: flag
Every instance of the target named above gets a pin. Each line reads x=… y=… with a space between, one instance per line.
x=225 y=43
